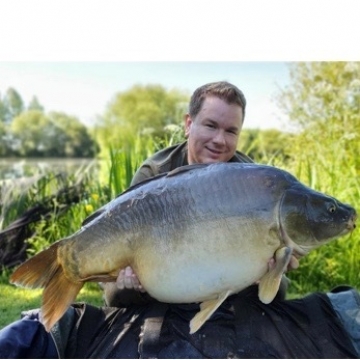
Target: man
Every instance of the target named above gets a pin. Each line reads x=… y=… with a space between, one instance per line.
x=321 y=325
x=212 y=128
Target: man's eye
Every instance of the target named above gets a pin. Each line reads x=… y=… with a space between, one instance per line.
x=211 y=126
x=233 y=132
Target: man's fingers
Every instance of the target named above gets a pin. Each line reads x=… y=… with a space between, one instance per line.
x=127 y=279
x=294 y=263
x=120 y=280
x=271 y=264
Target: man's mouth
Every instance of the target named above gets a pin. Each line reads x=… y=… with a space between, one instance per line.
x=215 y=152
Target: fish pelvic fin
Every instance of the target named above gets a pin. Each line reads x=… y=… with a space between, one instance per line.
x=58 y=295
x=270 y=282
x=207 y=308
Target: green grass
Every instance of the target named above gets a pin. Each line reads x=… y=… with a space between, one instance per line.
x=15 y=300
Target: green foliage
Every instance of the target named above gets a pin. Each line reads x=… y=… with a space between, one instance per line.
x=141 y=110
x=124 y=161
x=3 y=111
x=32 y=141
x=14 y=104
x=323 y=101
x=3 y=145
x=35 y=105
x=33 y=133
x=75 y=140
x=266 y=146
x=52 y=135
x=326 y=93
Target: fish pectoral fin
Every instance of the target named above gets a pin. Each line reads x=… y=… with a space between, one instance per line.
x=270 y=282
x=207 y=308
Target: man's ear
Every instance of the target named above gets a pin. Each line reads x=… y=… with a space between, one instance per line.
x=188 y=121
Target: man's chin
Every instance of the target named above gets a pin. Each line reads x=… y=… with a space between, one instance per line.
x=212 y=160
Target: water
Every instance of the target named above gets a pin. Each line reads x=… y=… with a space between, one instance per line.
x=12 y=169
x=17 y=176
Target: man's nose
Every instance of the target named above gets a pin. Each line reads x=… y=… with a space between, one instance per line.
x=219 y=138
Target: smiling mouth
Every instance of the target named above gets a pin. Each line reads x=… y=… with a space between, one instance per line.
x=216 y=152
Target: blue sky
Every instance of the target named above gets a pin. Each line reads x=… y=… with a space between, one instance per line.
x=84 y=89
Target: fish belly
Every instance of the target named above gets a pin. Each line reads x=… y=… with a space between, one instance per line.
x=201 y=268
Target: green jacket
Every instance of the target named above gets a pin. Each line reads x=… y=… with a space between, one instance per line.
x=171 y=158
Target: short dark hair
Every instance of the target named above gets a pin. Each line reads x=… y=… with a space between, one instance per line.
x=221 y=89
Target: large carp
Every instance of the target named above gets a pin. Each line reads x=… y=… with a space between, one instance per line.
x=197 y=234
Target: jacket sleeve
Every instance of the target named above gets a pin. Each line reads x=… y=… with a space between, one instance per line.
x=26 y=339
x=145 y=171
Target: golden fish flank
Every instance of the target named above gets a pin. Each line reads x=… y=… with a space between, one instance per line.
x=191 y=243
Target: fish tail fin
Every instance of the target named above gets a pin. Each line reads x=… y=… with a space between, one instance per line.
x=58 y=295
x=37 y=271
x=44 y=271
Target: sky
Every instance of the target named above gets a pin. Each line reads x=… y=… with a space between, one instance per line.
x=75 y=55
x=83 y=89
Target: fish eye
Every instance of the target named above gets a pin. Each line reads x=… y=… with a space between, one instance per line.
x=332 y=208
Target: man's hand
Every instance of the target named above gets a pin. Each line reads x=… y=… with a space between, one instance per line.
x=127 y=279
x=293 y=264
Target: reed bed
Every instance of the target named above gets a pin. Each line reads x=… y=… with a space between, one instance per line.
x=332 y=170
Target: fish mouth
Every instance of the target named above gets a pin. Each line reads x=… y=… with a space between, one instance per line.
x=351 y=223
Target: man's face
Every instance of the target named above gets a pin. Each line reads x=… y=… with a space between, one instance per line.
x=213 y=133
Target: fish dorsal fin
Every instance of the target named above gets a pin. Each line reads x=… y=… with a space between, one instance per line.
x=207 y=308
x=93 y=216
x=270 y=282
x=185 y=168
x=103 y=208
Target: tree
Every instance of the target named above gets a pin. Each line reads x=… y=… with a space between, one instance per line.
x=33 y=134
x=54 y=135
x=3 y=140
x=326 y=93
x=323 y=101
x=13 y=103
x=35 y=105
x=3 y=111
x=143 y=109
x=74 y=139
